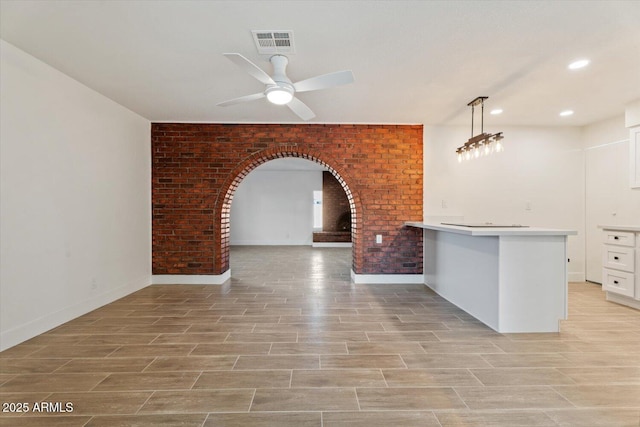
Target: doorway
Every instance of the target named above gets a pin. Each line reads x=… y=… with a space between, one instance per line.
x=272 y=206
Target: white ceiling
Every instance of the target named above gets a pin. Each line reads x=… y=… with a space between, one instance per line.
x=413 y=61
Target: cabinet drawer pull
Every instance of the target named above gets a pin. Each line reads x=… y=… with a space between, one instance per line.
x=616 y=258
x=615 y=282
x=616 y=238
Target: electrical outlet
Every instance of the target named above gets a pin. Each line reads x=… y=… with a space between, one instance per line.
x=94 y=284
x=378 y=238
x=444 y=204
x=527 y=206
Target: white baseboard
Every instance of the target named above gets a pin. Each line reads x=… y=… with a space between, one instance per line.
x=398 y=279
x=332 y=244
x=576 y=277
x=47 y=322
x=621 y=299
x=190 y=279
x=306 y=242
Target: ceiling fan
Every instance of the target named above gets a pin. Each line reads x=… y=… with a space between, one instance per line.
x=279 y=89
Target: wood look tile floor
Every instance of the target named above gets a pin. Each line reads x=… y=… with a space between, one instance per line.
x=290 y=341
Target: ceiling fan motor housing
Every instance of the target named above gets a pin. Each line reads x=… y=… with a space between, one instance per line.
x=279 y=63
x=282 y=92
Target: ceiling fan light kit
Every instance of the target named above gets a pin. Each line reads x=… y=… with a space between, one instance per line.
x=279 y=95
x=279 y=89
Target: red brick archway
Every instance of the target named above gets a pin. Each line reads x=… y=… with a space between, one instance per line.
x=223 y=207
x=197 y=167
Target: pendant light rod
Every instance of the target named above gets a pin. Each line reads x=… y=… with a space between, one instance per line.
x=472 y=116
x=482 y=117
x=477 y=101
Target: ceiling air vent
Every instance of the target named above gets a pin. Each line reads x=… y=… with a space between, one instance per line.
x=274 y=42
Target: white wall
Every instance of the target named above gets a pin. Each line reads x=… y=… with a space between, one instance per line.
x=609 y=198
x=75 y=198
x=541 y=167
x=275 y=207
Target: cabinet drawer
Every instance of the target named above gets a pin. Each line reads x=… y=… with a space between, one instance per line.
x=618 y=282
x=619 y=258
x=622 y=238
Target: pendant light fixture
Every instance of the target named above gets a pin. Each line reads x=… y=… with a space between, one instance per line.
x=482 y=144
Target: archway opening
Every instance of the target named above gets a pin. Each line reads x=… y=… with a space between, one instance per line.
x=275 y=204
x=262 y=161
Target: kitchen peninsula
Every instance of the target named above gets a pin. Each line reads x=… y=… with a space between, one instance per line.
x=512 y=278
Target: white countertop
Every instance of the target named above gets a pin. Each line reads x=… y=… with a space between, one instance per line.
x=493 y=231
x=620 y=227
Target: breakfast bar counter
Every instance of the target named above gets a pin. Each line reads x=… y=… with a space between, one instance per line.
x=512 y=278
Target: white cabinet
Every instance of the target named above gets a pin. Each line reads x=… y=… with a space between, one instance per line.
x=618 y=282
x=618 y=258
x=620 y=238
x=621 y=265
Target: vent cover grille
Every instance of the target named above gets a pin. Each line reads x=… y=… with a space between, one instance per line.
x=273 y=42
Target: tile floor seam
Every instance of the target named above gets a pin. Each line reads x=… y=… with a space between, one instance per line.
x=192 y=349
x=61 y=366
x=204 y=421
x=384 y=378
x=461 y=399
x=112 y=352
x=149 y=364
x=482 y=356
x=403 y=362
x=355 y=392
x=476 y=377
x=435 y=415
x=145 y=402
x=107 y=375
x=195 y=381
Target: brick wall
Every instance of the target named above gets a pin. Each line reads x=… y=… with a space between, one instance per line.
x=334 y=202
x=196 y=169
x=331 y=237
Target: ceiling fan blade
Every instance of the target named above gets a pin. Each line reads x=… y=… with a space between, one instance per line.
x=251 y=68
x=301 y=109
x=241 y=99
x=324 y=81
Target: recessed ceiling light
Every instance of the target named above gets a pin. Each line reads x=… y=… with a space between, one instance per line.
x=496 y=111
x=581 y=63
x=566 y=113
